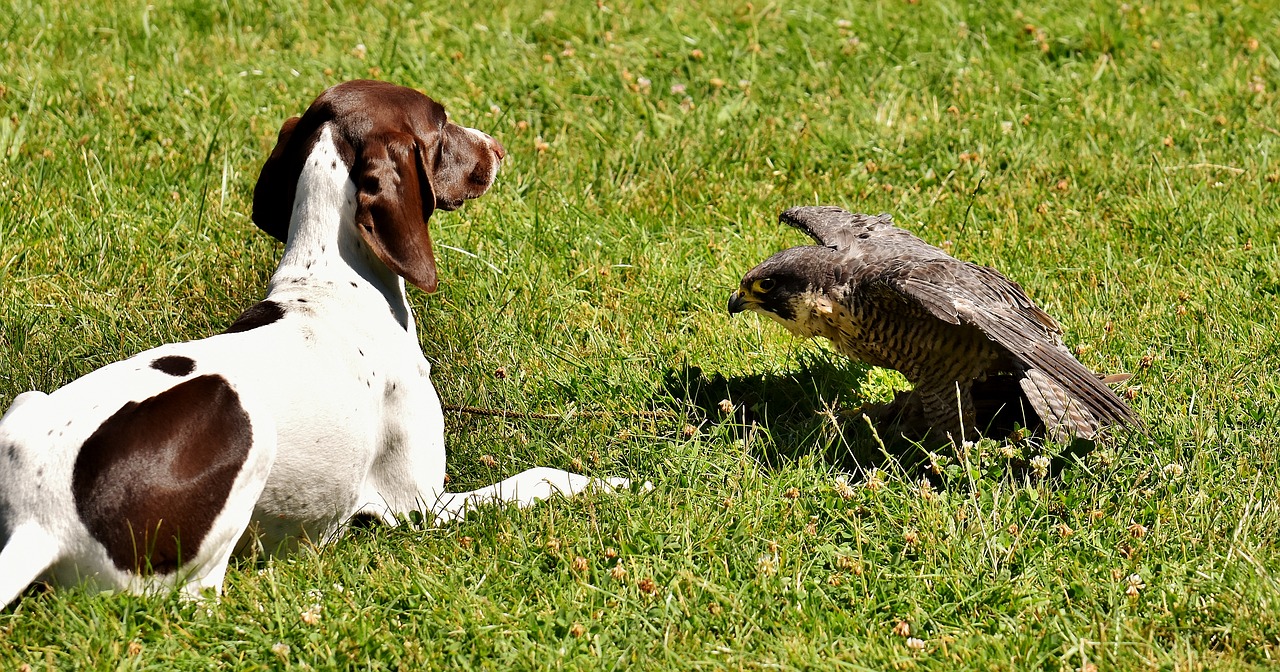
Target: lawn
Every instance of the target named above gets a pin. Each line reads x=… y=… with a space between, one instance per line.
x=1118 y=160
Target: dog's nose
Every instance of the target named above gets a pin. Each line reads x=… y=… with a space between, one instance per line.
x=488 y=141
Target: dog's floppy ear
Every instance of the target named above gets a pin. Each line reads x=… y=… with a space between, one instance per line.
x=277 y=183
x=394 y=202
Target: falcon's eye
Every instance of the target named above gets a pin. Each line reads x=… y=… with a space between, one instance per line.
x=766 y=285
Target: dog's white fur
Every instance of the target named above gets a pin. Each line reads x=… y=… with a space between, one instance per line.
x=345 y=420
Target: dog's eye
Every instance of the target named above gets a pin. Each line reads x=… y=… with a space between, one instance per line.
x=766 y=285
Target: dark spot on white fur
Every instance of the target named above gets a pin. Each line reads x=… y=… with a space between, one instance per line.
x=260 y=315
x=174 y=365
x=134 y=479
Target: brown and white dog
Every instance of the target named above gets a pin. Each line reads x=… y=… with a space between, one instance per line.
x=314 y=407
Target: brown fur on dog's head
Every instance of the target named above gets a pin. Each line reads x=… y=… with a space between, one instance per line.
x=406 y=158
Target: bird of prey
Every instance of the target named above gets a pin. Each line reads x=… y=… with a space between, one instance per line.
x=959 y=332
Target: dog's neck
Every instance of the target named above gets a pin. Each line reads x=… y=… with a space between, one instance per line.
x=324 y=248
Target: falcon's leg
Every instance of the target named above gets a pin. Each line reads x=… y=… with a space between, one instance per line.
x=903 y=411
x=948 y=408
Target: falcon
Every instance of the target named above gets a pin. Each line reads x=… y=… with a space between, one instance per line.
x=962 y=334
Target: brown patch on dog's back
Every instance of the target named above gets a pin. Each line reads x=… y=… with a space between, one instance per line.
x=150 y=481
x=174 y=365
x=259 y=315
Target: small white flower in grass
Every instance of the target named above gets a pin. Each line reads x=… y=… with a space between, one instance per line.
x=843 y=489
x=644 y=82
x=337 y=587
x=844 y=23
x=767 y=565
x=1040 y=466
x=915 y=643
x=312 y=616
x=359 y=51
x=280 y=649
x=677 y=88
x=1006 y=127
x=1135 y=585
x=1173 y=471
x=744 y=83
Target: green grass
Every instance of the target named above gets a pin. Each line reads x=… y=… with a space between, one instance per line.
x=1118 y=161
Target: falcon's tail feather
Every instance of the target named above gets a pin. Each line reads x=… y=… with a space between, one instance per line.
x=1063 y=416
x=1071 y=399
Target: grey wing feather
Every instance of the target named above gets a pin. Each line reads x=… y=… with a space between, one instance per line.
x=964 y=293
x=832 y=226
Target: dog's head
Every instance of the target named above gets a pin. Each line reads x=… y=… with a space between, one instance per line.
x=406 y=158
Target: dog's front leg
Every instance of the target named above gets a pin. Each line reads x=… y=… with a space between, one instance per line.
x=523 y=489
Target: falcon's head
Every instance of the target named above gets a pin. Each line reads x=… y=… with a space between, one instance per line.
x=791 y=287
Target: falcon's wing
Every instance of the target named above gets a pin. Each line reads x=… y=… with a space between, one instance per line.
x=963 y=293
x=832 y=226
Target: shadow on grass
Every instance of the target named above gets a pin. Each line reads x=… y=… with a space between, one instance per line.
x=819 y=409
x=810 y=410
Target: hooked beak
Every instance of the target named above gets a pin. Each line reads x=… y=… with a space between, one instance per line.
x=736 y=303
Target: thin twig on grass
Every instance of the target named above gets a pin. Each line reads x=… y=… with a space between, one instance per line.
x=501 y=413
